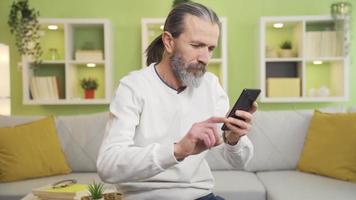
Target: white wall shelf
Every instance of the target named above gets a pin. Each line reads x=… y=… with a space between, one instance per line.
x=88 y=38
x=316 y=69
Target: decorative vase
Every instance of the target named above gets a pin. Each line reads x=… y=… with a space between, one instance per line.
x=286 y=53
x=53 y=52
x=323 y=91
x=89 y=94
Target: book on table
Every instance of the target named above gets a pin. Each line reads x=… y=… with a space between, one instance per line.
x=73 y=191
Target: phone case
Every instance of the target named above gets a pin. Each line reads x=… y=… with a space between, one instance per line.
x=244 y=102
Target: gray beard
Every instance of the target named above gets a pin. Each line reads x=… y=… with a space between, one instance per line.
x=191 y=75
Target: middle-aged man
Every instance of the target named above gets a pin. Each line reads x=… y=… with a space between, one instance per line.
x=165 y=117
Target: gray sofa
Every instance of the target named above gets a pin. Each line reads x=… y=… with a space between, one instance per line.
x=278 y=137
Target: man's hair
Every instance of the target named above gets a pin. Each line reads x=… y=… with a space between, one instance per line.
x=175 y=25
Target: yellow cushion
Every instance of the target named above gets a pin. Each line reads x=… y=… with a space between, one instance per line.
x=330 y=146
x=31 y=150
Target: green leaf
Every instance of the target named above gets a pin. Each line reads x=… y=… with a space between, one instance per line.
x=24 y=26
x=96 y=190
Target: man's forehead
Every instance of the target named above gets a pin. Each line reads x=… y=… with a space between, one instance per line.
x=199 y=27
x=197 y=21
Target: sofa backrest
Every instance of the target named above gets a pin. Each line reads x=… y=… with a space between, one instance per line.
x=80 y=136
x=278 y=139
x=8 y=121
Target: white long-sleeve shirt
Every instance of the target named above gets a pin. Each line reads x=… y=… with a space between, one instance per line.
x=148 y=117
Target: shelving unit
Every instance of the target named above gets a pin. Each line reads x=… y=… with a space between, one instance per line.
x=75 y=49
x=315 y=70
x=152 y=27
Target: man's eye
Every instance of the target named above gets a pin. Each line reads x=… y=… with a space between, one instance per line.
x=196 y=45
x=211 y=49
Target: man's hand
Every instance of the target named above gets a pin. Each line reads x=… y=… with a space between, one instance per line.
x=238 y=127
x=200 y=137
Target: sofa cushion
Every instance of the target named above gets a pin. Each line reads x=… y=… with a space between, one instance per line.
x=295 y=185
x=278 y=138
x=31 y=150
x=234 y=185
x=329 y=147
x=18 y=189
x=81 y=137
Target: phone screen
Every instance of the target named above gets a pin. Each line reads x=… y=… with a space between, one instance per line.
x=244 y=102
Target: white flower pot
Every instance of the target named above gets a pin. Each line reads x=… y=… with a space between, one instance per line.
x=286 y=53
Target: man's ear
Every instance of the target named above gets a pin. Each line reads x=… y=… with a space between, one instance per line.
x=168 y=42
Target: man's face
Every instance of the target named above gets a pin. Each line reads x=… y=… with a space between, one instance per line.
x=193 y=50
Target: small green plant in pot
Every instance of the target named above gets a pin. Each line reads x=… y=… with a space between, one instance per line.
x=286 y=45
x=286 y=49
x=96 y=190
x=89 y=85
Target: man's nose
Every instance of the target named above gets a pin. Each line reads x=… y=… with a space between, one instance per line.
x=204 y=56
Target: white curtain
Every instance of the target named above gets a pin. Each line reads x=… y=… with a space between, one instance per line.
x=4 y=80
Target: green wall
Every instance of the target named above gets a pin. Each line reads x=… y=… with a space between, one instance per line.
x=243 y=21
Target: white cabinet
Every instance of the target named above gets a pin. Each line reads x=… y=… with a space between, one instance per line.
x=315 y=69
x=73 y=49
x=152 y=27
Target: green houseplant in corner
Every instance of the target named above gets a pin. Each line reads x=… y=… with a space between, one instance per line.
x=89 y=85
x=286 y=49
x=96 y=191
x=25 y=27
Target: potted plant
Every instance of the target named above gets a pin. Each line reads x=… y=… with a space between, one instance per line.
x=286 y=49
x=96 y=191
x=25 y=27
x=89 y=85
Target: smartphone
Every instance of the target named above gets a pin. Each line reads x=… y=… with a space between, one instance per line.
x=244 y=102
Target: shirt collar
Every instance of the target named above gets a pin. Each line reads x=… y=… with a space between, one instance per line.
x=179 y=90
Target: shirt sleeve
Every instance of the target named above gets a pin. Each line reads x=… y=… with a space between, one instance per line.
x=119 y=160
x=237 y=155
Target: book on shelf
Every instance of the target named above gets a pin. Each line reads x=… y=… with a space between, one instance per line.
x=73 y=191
x=328 y=44
x=44 y=87
x=313 y=43
x=322 y=44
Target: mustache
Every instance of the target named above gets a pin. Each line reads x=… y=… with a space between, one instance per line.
x=192 y=67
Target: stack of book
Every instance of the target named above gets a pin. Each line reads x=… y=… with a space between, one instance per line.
x=323 y=44
x=44 y=87
x=70 y=192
